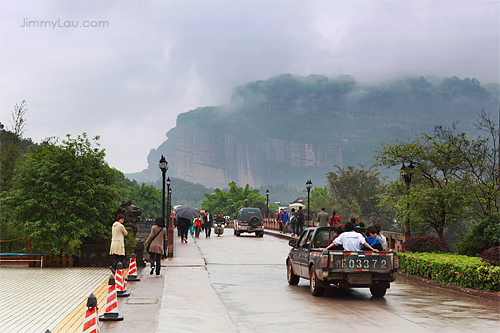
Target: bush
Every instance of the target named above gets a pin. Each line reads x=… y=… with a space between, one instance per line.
x=484 y=235
x=425 y=244
x=464 y=271
x=492 y=256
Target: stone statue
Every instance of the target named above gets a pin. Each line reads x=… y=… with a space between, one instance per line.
x=132 y=215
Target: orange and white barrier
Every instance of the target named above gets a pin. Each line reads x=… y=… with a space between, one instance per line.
x=132 y=270
x=91 y=320
x=111 y=303
x=121 y=290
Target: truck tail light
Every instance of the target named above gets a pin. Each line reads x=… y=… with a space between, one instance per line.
x=396 y=262
x=324 y=261
x=239 y=223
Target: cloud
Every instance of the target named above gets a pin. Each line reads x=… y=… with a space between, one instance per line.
x=127 y=82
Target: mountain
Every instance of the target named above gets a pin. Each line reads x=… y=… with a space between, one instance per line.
x=288 y=129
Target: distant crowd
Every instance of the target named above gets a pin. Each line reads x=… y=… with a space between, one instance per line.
x=351 y=241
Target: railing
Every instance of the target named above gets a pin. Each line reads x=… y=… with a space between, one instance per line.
x=394 y=240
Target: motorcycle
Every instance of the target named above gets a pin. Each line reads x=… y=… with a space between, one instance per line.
x=218 y=228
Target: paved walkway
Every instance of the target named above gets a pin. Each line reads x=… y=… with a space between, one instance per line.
x=40 y=299
x=37 y=299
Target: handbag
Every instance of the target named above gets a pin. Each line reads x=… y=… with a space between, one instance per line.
x=152 y=239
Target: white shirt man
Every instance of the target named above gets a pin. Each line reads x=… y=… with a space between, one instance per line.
x=351 y=240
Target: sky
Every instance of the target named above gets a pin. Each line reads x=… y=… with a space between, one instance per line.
x=124 y=70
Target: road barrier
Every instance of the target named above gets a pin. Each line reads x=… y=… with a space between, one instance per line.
x=132 y=269
x=111 y=303
x=120 y=281
x=91 y=321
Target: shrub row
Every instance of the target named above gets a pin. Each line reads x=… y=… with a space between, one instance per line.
x=447 y=268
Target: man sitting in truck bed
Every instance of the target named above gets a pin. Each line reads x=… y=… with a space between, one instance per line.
x=350 y=240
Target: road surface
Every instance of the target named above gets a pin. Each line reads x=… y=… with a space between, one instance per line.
x=249 y=276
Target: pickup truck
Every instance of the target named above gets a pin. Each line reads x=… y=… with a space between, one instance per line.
x=343 y=269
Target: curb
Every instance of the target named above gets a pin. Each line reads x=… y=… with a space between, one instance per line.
x=494 y=296
x=278 y=235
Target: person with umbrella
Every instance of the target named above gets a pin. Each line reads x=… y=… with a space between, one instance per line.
x=185 y=214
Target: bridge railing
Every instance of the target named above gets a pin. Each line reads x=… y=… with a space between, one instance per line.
x=394 y=240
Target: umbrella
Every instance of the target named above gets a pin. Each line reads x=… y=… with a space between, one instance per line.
x=296 y=206
x=187 y=212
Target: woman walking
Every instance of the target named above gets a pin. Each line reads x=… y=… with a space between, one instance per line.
x=155 y=242
x=117 y=248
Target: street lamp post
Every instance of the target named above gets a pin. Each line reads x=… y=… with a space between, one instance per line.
x=246 y=202
x=163 y=167
x=168 y=200
x=406 y=175
x=309 y=184
x=267 y=205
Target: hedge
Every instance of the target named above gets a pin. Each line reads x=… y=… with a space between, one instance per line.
x=446 y=268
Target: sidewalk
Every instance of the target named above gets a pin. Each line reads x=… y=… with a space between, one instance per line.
x=182 y=300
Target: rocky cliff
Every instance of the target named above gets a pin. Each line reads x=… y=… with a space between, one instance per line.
x=288 y=129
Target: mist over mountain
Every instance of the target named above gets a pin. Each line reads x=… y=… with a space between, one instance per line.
x=288 y=129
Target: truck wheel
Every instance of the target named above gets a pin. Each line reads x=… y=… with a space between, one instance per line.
x=378 y=291
x=313 y=283
x=292 y=279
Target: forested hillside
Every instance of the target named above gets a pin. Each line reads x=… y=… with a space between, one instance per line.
x=288 y=129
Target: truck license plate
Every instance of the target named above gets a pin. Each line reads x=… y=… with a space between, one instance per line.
x=359 y=278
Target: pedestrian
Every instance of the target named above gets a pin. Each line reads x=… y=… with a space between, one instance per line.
x=278 y=219
x=184 y=225
x=300 y=217
x=381 y=237
x=285 y=218
x=207 y=222
x=352 y=240
x=117 y=248
x=334 y=220
x=197 y=226
x=191 y=227
x=155 y=242
x=293 y=221
x=371 y=239
x=323 y=218
x=176 y=224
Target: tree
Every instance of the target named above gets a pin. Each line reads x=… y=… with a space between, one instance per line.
x=10 y=150
x=319 y=199
x=65 y=193
x=148 y=198
x=220 y=201
x=353 y=192
x=477 y=162
x=436 y=197
x=484 y=235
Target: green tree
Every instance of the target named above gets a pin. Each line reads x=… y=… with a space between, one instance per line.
x=65 y=193
x=484 y=235
x=477 y=162
x=353 y=192
x=148 y=198
x=319 y=198
x=221 y=201
x=10 y=149
x=436 y=198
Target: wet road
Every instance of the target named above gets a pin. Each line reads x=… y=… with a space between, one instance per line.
x=249 y=276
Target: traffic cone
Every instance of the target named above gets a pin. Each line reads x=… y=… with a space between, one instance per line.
x=111 y=303
x=132 y=270
x=121 y=290
x=91 y=321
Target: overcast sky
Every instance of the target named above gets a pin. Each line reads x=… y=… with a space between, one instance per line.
x=128 y=81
